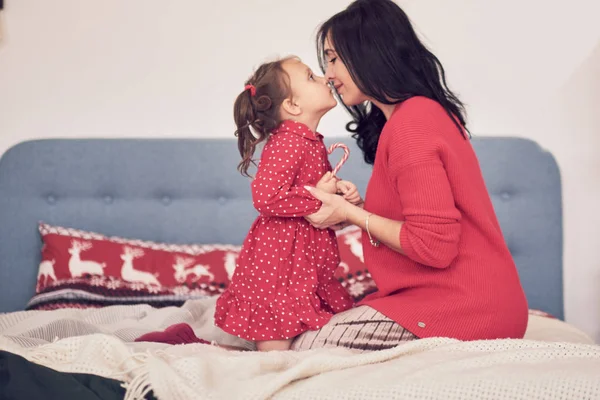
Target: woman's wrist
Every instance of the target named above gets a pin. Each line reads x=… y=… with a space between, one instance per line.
x=355 y=215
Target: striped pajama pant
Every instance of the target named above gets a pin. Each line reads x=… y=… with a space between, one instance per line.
x=362 y=328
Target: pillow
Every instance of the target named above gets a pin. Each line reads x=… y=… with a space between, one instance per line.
x=87 y=269
x=82 y=269
x=545 y=327
x=352 y=273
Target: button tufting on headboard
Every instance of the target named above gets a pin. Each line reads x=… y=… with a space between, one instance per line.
x=108 y=199
x=166 y=200
x=505 y=196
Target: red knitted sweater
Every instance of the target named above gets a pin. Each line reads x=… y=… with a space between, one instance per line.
x=458 y=278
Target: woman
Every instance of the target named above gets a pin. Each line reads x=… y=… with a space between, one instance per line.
x=431 y=239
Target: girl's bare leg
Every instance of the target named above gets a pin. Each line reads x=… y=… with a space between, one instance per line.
x=270 y=345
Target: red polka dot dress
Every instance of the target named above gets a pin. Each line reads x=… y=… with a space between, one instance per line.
x=283 y=284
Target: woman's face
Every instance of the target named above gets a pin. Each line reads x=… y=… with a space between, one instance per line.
x=340 y=78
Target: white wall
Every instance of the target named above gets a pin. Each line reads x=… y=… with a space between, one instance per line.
x=156 y=68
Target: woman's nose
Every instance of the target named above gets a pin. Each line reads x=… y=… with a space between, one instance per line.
x=329 y=75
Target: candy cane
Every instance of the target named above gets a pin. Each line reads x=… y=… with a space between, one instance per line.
x=344 y=158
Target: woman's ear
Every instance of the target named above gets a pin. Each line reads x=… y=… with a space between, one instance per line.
x=290 y=107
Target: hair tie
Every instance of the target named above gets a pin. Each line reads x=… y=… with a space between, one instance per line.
x=252 y=89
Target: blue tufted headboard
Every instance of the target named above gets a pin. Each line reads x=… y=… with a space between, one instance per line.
x=188 y=191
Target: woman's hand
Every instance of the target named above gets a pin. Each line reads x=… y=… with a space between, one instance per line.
x=332 y=213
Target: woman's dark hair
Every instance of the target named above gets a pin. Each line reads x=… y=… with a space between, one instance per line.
x=258 y=109
x=387 y=61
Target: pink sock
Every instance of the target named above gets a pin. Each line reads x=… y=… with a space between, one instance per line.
x=175 y=334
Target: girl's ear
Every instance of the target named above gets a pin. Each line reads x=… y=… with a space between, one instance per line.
x=291 y=108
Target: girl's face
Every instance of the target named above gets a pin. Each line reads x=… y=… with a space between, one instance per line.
x=338 y=75
x=309 y=91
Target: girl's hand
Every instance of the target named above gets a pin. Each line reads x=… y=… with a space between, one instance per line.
x=328 y=183
x=350 y=192
x=332 y=213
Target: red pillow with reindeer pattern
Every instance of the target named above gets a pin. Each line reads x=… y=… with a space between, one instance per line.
x=352 y=273
x=86 y=269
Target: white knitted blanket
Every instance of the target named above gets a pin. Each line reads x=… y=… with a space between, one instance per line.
x=425 y=369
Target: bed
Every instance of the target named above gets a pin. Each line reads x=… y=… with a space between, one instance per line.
x=178 y=195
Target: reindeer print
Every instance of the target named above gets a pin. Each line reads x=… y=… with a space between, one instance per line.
x=46 y=271
x=130 y=274
x=182 y=270
x=230 y=263
x=345 y=268
x=78 y=267
x=353 y=239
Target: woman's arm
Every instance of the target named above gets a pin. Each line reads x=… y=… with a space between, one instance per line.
x=429 y=234
x=430 y=230
x=435 y=245
x=381 y=229
x=417 y=143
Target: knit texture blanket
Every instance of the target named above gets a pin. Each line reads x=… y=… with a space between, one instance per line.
x=101 y=342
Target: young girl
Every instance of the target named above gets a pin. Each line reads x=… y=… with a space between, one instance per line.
x=283 y=284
